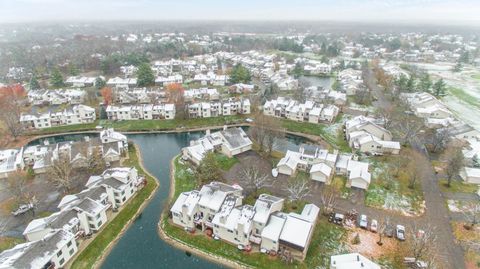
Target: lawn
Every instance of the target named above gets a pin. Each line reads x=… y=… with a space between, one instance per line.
x=9 y=242
x=335 y=140
x=393 y=194
x=146 y=125
x=90 y=254
x=326 y=240
x=184 y=180
x=339 y=184
x=468 y=238
x=464 y=96
x=225 y=162
x=457 y=186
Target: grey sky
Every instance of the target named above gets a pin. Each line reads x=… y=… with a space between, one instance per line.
x=431 y=11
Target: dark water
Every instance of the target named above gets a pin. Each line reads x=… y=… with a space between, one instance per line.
x=141 y=247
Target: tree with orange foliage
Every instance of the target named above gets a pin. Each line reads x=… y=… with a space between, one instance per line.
x=11 y=109
x=107 y=95
x=175 y=96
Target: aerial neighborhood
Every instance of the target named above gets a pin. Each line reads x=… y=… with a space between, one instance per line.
x=297 y=146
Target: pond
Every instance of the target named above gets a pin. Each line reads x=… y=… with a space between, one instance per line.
x=140 y=246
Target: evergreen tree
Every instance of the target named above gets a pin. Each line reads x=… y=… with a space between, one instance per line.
x=208 y=170
x=56 y=80
x=458 y=67
x=239 y=74
x=410 y=87
x=401 y=82
x=298 y=70
x=323 y=49
x=34 y=85
x=439 y=88
x=72 y=70
x=425 y=83
x=145 y=75
x=100 y=83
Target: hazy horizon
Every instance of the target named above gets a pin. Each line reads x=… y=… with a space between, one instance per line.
x=459 y=12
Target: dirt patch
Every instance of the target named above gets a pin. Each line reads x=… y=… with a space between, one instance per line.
x=368 y=244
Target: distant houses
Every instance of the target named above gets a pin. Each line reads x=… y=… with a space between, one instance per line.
x=228 y=107
x=76 y=114
x=56 y=97
x=81 y=81
x=124 y=83
x=218 y=207
x=141 y=112
x=307 y=112
x=11 y=160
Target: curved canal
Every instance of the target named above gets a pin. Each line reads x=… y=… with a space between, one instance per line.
x=140 y=246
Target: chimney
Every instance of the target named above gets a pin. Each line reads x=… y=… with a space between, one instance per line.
x=224 y=127
x=207 y=132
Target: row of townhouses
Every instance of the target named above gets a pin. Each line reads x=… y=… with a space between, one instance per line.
x=76 y=114
x=53 y=241
x=56 y=97
x=230 y=142
x=222 y=108
x=109 y=144
x=438 y=116
x=366 y=135
x=211 y=78
x=201 y=93
x=307 y=112
x=322 y=166
x=351 y=81
x=218 y=207
x=138 y=96
x=82 y=81
x=141 y=112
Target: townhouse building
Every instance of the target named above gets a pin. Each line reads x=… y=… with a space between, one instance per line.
x=77 y=114
x=307 y=112
x=141 y=112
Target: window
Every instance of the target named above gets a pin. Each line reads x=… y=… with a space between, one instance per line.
x=123 y=200
x=69 y=244
x=99 y=224
x=71 y=252
x=62 y=261
x=59 y=253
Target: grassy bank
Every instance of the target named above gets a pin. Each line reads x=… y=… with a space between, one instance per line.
x=146 y=125
x=320 y=130
x=464 y=96
x=90 y=254
x=457 y=186
x=9 y=242
x=326 y=239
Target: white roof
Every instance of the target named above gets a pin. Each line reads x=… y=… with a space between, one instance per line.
x=296 y=231
x=321 y=167
x=274 y=227
x=352 y=261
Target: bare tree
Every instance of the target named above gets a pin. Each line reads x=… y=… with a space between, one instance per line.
x=298 y=187
x=17 y=186
x=386 y=113
x=328 y=197
x=408 y=128
x=96 y=163
x=440 y=139
x=472 y=214
x=265 y=131
x=60 y=172
x=417 y=163
x=382 y=226
x=255 y=178
x=10 y=112
x=454 y=159
x=422 y=242
x=398 y=163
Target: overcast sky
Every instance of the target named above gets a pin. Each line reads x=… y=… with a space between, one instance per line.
x=431 y=11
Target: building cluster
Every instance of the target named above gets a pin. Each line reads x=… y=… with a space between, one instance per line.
x=230 y=142
x=437 y=116
x=351 y=81
x=229 y=107
x=141 y=112
x=74 y=114
x=322 y=165
x=110 y=146
x=218 y=207
x=269 y=68
x=52 y=241
x=366 y=135
x=56 y=97
x=137 y=96
x=327 y=96
x=191 y=95
x=307 y=112
x=82 y=81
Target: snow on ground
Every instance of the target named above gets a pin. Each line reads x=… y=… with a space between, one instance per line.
x=456 y=206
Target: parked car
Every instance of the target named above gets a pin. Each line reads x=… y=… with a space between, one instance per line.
x=249 y=120
x=400 y=232
x=363 y=223
x=22 y=209
x=338 y=218
x=374 y=225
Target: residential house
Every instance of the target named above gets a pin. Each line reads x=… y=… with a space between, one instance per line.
x=352 y=261
x=141 y=112
x=77 y=114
